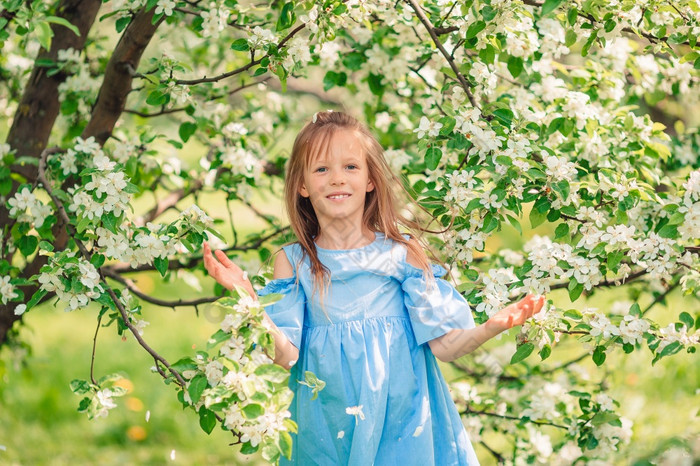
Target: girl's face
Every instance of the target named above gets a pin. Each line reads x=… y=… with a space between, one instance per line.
x=337 y=182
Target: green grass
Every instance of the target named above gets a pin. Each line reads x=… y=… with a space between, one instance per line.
x=39 y=422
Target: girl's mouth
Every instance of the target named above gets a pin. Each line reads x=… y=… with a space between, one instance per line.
x=338 y=196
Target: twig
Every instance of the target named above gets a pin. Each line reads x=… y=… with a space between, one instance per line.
x=514 y=418
x=494 y=453
x=94 y=346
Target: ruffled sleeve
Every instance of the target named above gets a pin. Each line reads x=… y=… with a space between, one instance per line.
x=288 y=312
x=433 y=308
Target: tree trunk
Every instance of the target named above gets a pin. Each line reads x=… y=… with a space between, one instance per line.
x=35 y=118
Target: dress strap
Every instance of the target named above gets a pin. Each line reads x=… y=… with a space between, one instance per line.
x=294 y=255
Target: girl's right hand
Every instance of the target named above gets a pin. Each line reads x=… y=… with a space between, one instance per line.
x=225 y=272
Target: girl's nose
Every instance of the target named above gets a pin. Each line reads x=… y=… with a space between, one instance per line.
x=337 y=178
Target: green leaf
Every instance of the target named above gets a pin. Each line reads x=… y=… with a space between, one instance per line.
x=207 y=420
x=27 y=244
x=248 y=449
x=110 y=222
x=522 y=352
x=545 y=352
x=604 y=417
x=5 y=186
x=196 y=388
x=157 y=97
x=504 y=115
x=62 y=22
x=375 y=84
x=285 y=444
x=516 y=224
x=537 y=218
x=575 y=289
x=561 y=230
x=286 y=18
x=186 y=130
x=474 y=29
x=614 y=258
x=333 y=78
x=488 y=12
x=36 y=297
x=122 y=23
x=253 y=410
x=217 y=338
x=515 y=66
x=432 y=157
x=44 y=34
x=354 y=60
x=161 y=265
x=599 y=355
x=635 y=310
x=272 y=372
x=669 y=231
x=487 y=54
x=687 y=319
x=549 y=6
x=97 y=260
x=79 y=387
x=241 y=45
x=571 y=38
x=184 y=364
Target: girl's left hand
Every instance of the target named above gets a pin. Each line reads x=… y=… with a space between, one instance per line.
x=517 y=313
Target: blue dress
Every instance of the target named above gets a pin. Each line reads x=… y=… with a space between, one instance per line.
x=370 y=347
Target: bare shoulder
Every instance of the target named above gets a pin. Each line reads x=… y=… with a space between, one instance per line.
x=410 y=255
x=282 y=268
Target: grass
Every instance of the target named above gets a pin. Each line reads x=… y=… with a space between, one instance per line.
x=39 y=422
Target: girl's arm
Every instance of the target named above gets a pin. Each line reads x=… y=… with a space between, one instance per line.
x=229 y=275
x=458 y=342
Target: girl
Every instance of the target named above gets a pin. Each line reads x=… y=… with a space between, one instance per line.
x=365 y=311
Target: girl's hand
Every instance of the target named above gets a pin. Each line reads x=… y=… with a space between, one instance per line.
x=517 y=313
x=225 y=272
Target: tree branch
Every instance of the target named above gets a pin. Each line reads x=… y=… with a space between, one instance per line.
x=182 y=109
x=514 y=418
x=242 y=68
x=194 y=260
x=116 y=84
x=86 y=254
x=158 y=302
x=429 y=27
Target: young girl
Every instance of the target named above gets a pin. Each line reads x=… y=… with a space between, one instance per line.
x=365 y=311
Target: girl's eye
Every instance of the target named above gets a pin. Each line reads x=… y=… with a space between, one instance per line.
x=321 y=169
x=352 y=167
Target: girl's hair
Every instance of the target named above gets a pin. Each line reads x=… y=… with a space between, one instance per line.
x=381 y=212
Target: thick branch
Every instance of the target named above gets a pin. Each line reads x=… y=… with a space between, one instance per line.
x=116 y=84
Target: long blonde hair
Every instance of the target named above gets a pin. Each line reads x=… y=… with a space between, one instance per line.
x=381 y=212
